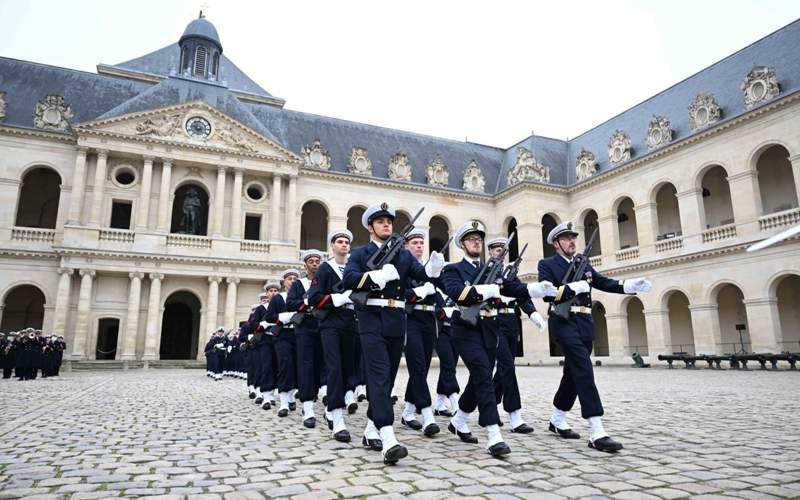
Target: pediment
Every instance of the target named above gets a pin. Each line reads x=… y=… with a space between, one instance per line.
x=191 y=125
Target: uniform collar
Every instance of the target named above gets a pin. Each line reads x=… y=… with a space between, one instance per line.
x=569 y=261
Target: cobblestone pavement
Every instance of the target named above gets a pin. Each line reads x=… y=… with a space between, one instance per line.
x=700 y=434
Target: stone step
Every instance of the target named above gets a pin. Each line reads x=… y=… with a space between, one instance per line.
x=102 y=365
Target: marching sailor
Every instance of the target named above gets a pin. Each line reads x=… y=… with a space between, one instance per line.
x=285 y=342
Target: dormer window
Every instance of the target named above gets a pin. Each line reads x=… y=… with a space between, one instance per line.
x=200 y=58
x=215 y=65
x=186 y=61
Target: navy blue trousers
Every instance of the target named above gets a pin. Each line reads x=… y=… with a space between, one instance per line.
x=420 y=337
x=285 y=350
x=381 y=361
x=575 y=338
x=338 y=346
x=309 y=363
x=506 y=388
x=448 y=358
x=479 y=356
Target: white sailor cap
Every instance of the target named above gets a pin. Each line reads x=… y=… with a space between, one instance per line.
x=290 y=271
x=339 y=232
x=375 y=211
x=468 y=228
x=501 y=241
x=417 y=232
x=220 y=329
x=307 y=254
x=563 y=228
x=262 y=295
x=271 y=284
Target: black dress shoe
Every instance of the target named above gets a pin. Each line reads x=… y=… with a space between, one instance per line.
x=431 y=430
x=605 y=444
x=252 y=395
x=310 y=422
x=352 y=408
x=283 y=412
x=361 y=398
x=394 y=454
x=329 y=422
x=259 y=400
x=342 y=436
x=564 y=433
x=499 y=449
x=522 y=428
x=292 y=406
x=414 y=424
x=443 y=413
x=266 y=406
x=500 y=424
x=324 y=400
x=467 y=437
x=372 y=444
x=394 y=399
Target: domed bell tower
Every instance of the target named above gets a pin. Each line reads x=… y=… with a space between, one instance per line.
x=200 y=50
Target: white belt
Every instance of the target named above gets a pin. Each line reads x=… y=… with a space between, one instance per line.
x=425 y=307
x=490 y=313
x=386 y=303
x=507 y=310
x=581 y=309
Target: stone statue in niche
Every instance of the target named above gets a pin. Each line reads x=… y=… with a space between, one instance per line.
x=192 y=208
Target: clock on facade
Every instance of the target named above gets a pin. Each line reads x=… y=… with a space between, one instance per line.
x=198 y=127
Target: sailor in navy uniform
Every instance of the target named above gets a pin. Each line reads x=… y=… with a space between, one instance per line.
x=420 y=336
x=215 y=354
x=382 y=320
x=477 y=345
x=261 y=349
x=285 y=342
x=447 y=387
x=338 y=331
x=575 y=336
x=309 y=345
x=506 y=387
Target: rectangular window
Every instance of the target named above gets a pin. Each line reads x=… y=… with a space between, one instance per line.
x=121 y=214
x=252 y=227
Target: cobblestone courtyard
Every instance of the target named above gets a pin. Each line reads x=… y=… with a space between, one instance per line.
x=698 y=434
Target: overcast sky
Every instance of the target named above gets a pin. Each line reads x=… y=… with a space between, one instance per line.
x=487 y=71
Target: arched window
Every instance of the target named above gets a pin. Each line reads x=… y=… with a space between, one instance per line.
x=513 y=250
x=716 y=197
x=439 y=233
x=776 y=180
x=788 y=294
x=548 y=224
x=23 y=307
x=180 y=326
x=200 y=60
x=681 y=334
x=186 y=61
x=190 y=210
x=107 y=338
x=360 y=234
x=589 y=225
x=401 y=219
x=669 y=217
x=314 y=226
x=637 y=328
x=733 y=327
x=600 y=329
x=38 y=198
x=215 y=65
x=626 y=224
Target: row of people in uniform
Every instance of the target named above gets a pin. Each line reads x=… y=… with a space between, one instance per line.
x=224 y=357
x=25 y=353
x=348 y=322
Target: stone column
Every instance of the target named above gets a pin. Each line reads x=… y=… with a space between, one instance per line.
x=99 y=187
x=163 y=196
x=617 y=325
x=275 y=220
x=236 y=204
x=82 y=323
x=692 y=214
x=746 y=201
x=646 y=227
x=153 y=317
x=292 y=213
x=219 y=202
x=705 y=326
x=62 y=300
x=657 y=322
x=608 y=238
x=78 y=188
x=796 y=172
x=230 y=302
x=132 y=321
x=763 y=324
x=213 y=304
x=144 y=194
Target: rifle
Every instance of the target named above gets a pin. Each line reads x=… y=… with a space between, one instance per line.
x=510 y=272
x=489 y=273
x=385 y=254
x=575 y=270
x=415 y=283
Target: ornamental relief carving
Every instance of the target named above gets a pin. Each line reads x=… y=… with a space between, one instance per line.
x=400 y=168
x=527 y=168
x=2 y=105
x=659 y=132
x=585 y=165
x=474 y=181
x=360 y=163
x=619 y=147
x=234 y=139
x=160 y=126
x=704 y=111
x=316 y=156
x=760 y=85
x=52 y=113
x=437 y=173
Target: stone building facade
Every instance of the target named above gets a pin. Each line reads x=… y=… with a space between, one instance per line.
x=147 y=203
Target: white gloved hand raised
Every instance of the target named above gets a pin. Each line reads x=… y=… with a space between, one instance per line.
x=538 y=320
x=425 y=290
x=263 y=325
x=340 y=299
x=581 y=286
x=488 y=291
x=435 y=265
x=285 y=316
x=637 y=285
x=542 y=289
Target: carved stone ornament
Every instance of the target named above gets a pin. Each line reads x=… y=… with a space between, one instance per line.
x=52 y=113
x=2 y=105
x=619 y=147
x=760 y=85
x=659 y=132
x=585 y=165
x=235 y=139
x=161 y=126
x=400 y=168
x=437 y=173
x=527 y=168
x=359 y=162
x=474 y=180
x=316 y=156
x=703 y=111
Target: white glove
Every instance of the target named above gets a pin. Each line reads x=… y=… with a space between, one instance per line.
x=390 y=272
x=424 y=290
x=219 y=345
x=285 y=316
x=636 y=285
x=340 y=299
x=448 y=311
x=230 y=348
x=506 y=300
x=488 y=291
x=263 y=325
x=542 y=289
x=581 y=286
x=537 y=320
x=377 y=277
x=250 y=336
x=435 y=265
